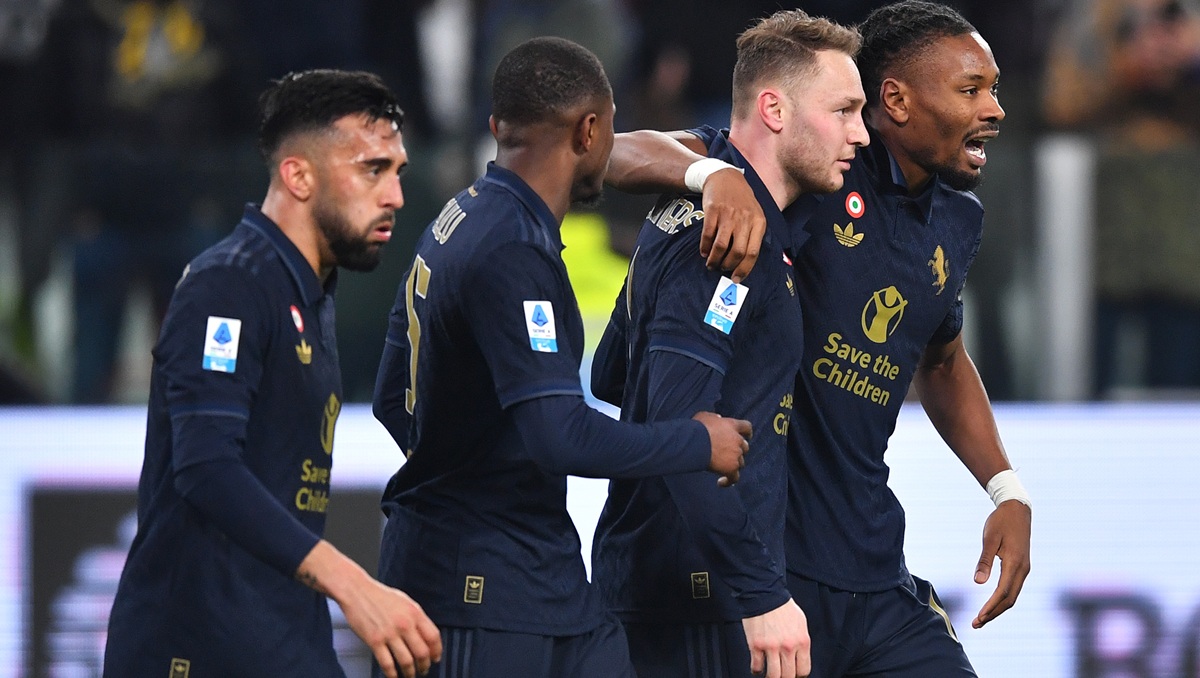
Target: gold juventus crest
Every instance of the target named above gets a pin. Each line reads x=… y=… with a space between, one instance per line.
x=940 y=266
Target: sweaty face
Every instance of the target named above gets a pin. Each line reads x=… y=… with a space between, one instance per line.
x=589 y=186
x=827 y=127
x=954 y=110
x=358 y=191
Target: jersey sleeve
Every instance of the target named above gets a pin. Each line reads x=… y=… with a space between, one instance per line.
x=705 y=133
x=566 y=437
x=392 y=379
x=951 y=325
x=696 y=310
x=211 y=354
x=610 y=362
x=516 y=303
x=715 y=517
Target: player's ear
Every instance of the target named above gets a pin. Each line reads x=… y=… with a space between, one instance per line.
x=585 y=132
x=297 y=176
x=493 y=127
x=894 y=99
x=770 y=106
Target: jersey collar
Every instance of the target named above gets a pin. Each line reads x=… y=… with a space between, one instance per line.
x=511 y=182
x=890 y=178
x=302 y=275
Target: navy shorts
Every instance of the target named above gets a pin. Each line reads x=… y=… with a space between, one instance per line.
x=710 y=650
x=903 y=632
x=484 y=653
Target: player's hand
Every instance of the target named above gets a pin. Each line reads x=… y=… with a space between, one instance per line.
x=730 y=441
x=779 y=642
x=1005 y=535
x=403 y=639
x=734 y=224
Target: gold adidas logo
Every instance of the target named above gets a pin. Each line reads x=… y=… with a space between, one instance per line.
x=847 y=236
x=473 y=592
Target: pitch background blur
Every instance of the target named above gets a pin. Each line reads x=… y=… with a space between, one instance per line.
x=1113 y=591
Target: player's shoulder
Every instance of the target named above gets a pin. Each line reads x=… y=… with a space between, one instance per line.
x=485 y=217
x=674 y=217
x=244 y=263
x=963 y=208
x=965 y=200
x=245 y=252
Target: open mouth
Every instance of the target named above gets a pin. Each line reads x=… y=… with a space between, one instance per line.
x=976 y=155
x=383 y=232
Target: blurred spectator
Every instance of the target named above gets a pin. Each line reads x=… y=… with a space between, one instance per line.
x=1128 y=71
x=602 y=26
x=148 y=92
x=1001 y=334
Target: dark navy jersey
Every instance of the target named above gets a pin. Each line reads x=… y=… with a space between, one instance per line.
x=879 y=280
x=486 y=324
x=684 y=338
x=245 y=377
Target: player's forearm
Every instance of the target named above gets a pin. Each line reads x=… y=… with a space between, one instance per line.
x=721 y=529
x=715 y=517
x=388 y=403
x=957 y=404
x=227 y=494
x=647 y=161
x=327 y=571
x=610 y=363
x=565 y=436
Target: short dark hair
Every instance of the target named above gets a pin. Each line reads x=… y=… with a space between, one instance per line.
x=783 y=46
x=543 y=78
x=309 y=101
x=895 y=35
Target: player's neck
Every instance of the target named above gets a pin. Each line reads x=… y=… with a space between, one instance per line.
x=759 y=150
x=893 y=137
x=299 y=227
x=548 y=171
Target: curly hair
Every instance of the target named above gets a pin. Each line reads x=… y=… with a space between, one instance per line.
x=311 y=101
x=543 y=78
x=896 y=34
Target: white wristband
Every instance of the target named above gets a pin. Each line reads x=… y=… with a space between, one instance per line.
x=698 y=172
x=1006 y=485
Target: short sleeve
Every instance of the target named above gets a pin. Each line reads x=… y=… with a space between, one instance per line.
x=951 y=325
x=210 y=354
x=518 y=304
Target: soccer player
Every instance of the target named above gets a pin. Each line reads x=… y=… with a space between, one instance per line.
x=697 y=573
x=479 y=385
x=228 y=574
x=879 y=282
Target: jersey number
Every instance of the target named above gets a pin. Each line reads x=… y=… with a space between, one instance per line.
x=417 y=286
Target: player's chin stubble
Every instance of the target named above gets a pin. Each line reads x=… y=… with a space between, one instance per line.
x=353 y=252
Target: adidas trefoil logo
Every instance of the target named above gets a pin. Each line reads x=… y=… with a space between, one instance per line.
x=847 y=236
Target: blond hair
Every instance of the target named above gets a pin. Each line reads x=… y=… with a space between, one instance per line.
x=781 y=49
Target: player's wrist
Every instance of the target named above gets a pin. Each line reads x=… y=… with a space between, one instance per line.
x=1006 y=486
x=330 y=572
x=698 y=172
